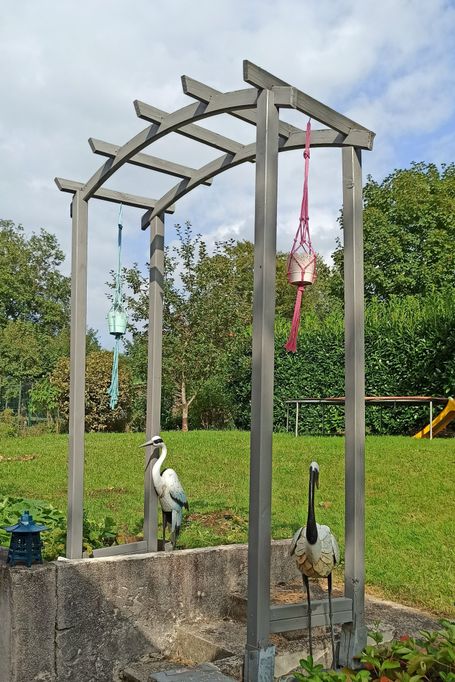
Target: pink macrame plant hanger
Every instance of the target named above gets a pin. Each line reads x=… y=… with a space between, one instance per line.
x=301 y=266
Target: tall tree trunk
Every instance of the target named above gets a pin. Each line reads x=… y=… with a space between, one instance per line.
x=185 y=405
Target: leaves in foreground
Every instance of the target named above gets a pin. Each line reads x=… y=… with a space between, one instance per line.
x=95 y=533
x=431 y=656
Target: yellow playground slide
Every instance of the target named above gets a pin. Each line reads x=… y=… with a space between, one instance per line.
x=440 y=422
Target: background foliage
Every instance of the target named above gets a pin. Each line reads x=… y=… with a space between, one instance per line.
x=409 y=350
x=409 y=235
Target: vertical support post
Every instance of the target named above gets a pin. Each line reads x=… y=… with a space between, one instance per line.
x=431 y=419
x=354 y=635
x=259 y=656
x=287 y=417
x=154 y=361
x=296 y=418
x=79 y=214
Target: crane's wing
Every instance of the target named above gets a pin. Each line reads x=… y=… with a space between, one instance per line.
x=330 y=553
x=174 y=487
x=295 y=540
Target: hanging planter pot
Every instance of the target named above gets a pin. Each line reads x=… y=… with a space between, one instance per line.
x=301 y=265
x=117 y=320
x=302 y=268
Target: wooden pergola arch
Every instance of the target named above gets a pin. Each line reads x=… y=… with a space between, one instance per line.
x=258 y=105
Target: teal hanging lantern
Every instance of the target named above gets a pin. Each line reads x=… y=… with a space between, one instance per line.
x=117 y=318
x=25 y=545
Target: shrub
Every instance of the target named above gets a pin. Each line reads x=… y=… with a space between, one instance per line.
x=95 y=533
x=98 y=414
x=409 y=349
x=9 y=426
x=431 y=656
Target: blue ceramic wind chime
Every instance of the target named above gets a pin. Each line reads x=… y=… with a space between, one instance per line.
x=117 y=318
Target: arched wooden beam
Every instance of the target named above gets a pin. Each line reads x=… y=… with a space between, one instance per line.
x=319 y=139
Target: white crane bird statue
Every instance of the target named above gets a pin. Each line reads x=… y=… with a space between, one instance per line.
x=316 y=551
x=169 y=490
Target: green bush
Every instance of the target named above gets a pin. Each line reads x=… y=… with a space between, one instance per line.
x=9 y=424
x=212 y=408
x=431 y=656
x=95 y=533
x=98 y=414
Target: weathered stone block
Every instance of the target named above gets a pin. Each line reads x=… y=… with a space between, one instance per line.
x=28 y=608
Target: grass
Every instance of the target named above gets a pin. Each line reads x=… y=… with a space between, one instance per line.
x=410 y=508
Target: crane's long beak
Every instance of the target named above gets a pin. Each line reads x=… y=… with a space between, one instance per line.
x=314 y=473
x=145 y=445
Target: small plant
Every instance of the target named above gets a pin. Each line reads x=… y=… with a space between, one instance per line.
x=431 y=656
x=95 y=533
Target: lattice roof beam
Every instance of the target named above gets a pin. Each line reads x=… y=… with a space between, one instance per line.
x=71 y=186
x=144 y=160
x=204 y=93
x=194 y=132
x=260 y=78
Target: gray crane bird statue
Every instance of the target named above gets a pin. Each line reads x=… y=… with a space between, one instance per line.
x=317 y=553
x=170 y=492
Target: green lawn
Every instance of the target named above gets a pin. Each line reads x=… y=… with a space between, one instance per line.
x=410 y=508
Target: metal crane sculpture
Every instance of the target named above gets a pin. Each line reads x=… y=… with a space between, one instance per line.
x=317 y=553
x=170 y=492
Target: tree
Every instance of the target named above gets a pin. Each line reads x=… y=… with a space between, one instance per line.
x=44 y=397
x=198 y=311
x=23 y=358
x=32 y=288
x=204 y=313
x=409 y=233
x=98 y=414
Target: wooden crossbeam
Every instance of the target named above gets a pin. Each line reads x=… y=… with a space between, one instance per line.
x=71 y=186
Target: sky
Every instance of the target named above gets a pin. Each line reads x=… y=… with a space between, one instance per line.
x=70 y=71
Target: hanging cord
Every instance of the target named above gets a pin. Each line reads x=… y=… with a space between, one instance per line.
x=113 y=388
x=305 y=261
x=117 y=308
x=118 y=299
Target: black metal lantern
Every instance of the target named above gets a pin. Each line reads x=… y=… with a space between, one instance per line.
x=25 y=546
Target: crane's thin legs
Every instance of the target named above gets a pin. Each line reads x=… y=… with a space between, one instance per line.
x=164 y=531
x=329 y=581
x=306 y=582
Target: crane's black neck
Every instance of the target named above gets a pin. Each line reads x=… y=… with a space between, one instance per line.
x=311 y=528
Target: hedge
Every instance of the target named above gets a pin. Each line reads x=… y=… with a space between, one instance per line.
x=409 y=350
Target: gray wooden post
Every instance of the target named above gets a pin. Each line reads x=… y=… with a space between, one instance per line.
x=259 y=656
x=354 y=635
x=155 y=333
x=79 y=212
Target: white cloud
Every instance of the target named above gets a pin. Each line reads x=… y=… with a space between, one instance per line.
x=70 y=72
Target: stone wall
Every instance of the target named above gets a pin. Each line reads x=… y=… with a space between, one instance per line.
x=87 y=619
